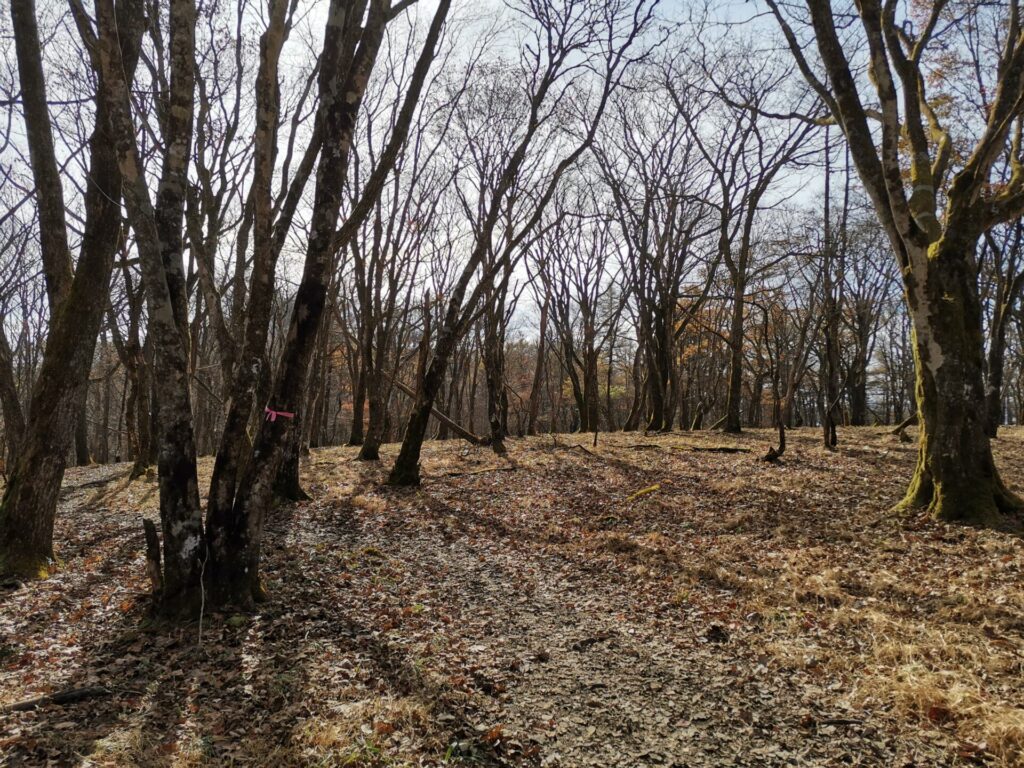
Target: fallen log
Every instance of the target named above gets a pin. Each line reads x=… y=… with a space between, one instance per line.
x=716 y=449
x=910 y=421
x=438 y=414
x=67 y=696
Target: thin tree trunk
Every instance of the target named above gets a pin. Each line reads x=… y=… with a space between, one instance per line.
x=82 y=457
x=538 y=369
x=14 y=417
x=735 y=391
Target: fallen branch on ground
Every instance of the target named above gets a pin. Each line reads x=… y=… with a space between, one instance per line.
x=715 y=449
x=910 y=421
x=510 y=468
x=67 y=696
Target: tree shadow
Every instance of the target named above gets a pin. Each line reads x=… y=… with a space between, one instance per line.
x=231 y=689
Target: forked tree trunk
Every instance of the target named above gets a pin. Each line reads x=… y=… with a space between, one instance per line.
x=349 y=54
x=956 y=478
x=158 y=240
x=250 y=370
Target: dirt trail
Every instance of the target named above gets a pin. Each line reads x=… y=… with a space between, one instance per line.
x=592 y=677
x=638 y=604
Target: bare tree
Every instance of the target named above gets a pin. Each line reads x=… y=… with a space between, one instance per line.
x=568 y=40
x=351 y=46
x=30 y=497
x=956 y=478
x=659 y=197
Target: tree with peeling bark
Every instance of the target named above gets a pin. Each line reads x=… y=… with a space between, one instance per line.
x=158 y=228
x=934 y=207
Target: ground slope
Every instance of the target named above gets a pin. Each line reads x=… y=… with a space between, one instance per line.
x=643 y=602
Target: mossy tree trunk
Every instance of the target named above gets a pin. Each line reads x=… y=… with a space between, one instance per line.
x=956 y=478
x=904 y=172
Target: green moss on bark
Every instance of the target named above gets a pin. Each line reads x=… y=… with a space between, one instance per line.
x=25 y=565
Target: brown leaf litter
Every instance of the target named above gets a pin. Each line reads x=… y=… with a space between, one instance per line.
x=638 y=603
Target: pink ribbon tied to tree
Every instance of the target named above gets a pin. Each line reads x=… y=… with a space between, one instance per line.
x=273 y=415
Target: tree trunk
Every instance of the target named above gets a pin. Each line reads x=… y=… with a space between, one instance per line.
x=234 y=443
x=754 y=406
x=538 y=369
x=370 y=449
x=994 y=388
x=144 y=406
x=735 y=393
x=14 y=417
x=357 y=435
x=406 y=470
x=159 y=241
x=287 y=486
x=956 y=478
x=349 y=53
x=632 y=422
x=659 y=362
x=82 y=457
x=494 y=371
x=591 y=388
x=29 y=504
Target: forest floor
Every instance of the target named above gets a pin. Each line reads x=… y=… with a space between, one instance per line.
x=644 y=602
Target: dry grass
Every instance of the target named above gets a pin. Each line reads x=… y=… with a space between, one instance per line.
x=919 y=620
x=914 y=627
